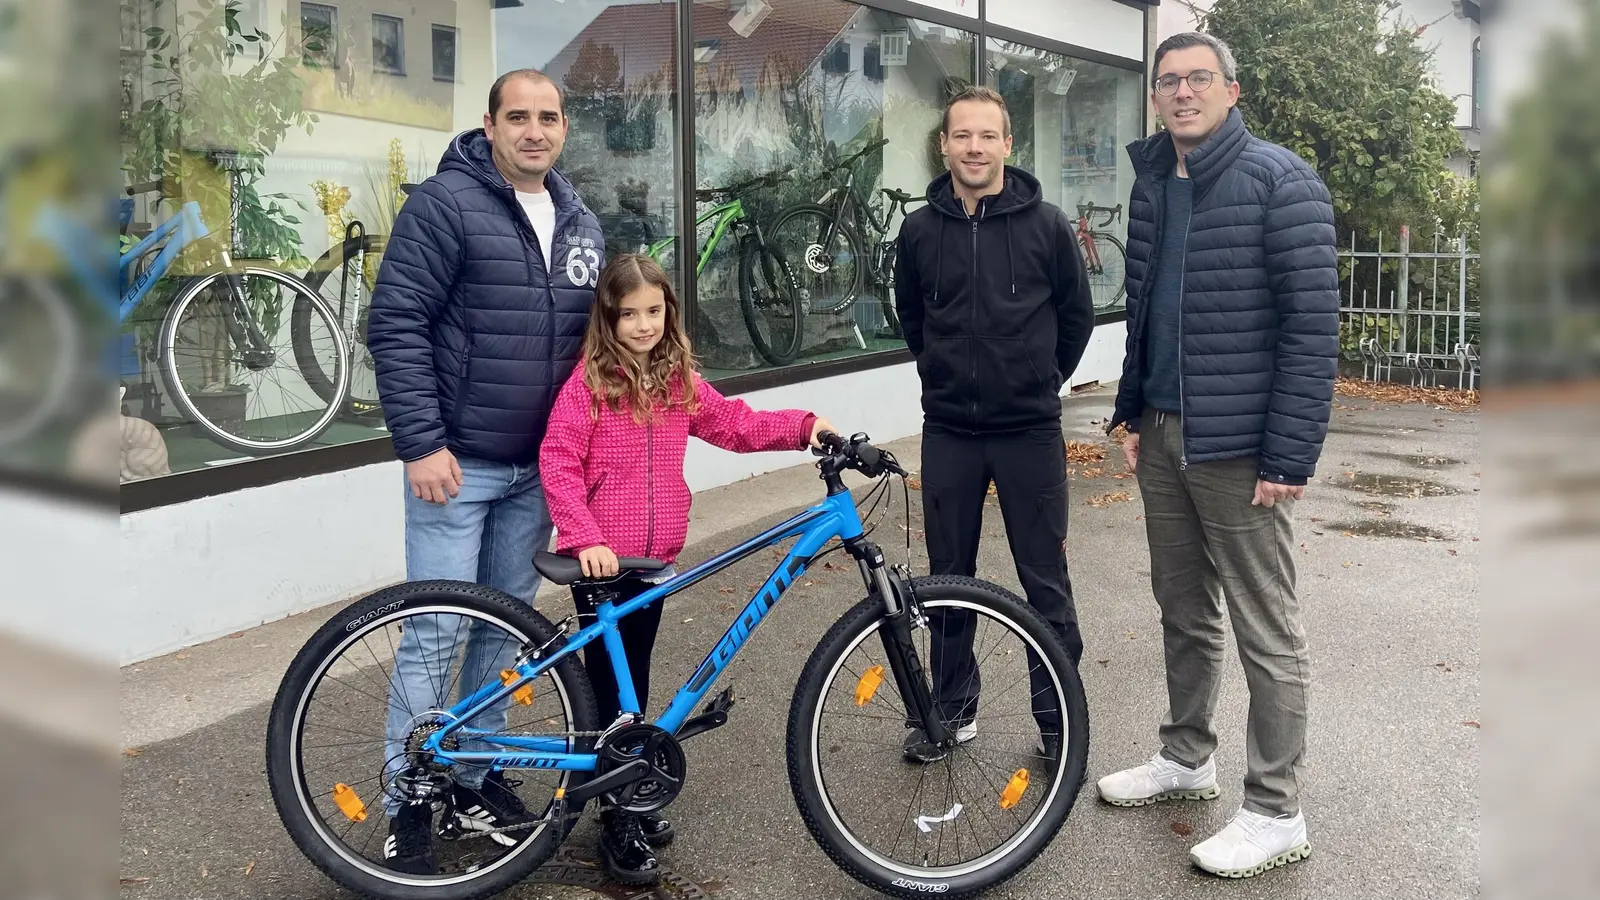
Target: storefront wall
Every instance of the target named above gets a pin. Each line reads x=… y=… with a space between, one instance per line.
x=781 y=86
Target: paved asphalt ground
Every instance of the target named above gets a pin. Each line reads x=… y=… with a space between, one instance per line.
x=1388 y=571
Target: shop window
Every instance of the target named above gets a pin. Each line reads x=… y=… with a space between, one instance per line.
x=388 y=45
x=789 y=100
x=1071 y=120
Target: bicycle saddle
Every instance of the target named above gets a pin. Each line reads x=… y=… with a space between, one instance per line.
x=559 y=568
x=897 y=196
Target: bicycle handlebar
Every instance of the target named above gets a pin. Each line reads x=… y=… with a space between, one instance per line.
x=856 y=453
x=1112 y=213
x=851 y=159
x=145 y=187
x=771 y=179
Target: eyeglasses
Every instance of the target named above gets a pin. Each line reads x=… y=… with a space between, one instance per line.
x=1199 y=80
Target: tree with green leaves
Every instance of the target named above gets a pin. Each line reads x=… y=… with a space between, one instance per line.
x=1348 y=85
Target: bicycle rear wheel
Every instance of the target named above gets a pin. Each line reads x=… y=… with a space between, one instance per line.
x=224 y=336
x=825 y=254
x=354 y=711
x=965 y=822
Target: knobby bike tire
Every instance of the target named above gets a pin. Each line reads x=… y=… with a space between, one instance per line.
x=299 y=323
x=830 y=306
x=805 y=779
x=185 y=403
x=754 y=254
x=293 y=797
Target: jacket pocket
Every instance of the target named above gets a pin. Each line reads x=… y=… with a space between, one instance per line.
x=946 y=367
x=463 y=388
x=1009 y=379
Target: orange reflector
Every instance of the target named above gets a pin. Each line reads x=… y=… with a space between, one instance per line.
x=349 y=803
x=868 y=685
x=524 y=694
x=1014 y=789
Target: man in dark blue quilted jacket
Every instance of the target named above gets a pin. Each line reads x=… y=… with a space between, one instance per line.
x=480 y=309
x=1226 y=390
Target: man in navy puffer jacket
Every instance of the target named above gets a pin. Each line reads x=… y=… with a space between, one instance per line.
x=480 y=310
x=1233 y=323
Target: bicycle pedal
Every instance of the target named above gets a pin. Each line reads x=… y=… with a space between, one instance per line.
x=715 y=715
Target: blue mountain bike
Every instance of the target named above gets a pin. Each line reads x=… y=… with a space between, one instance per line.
x=962 y=671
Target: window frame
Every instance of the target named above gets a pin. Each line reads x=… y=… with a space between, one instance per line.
x=400 y=34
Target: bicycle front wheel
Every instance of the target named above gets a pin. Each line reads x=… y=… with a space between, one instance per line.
x=769 y=298
x=1108 y=281
x=825 y=254
x=952 y=822
x=231 y=367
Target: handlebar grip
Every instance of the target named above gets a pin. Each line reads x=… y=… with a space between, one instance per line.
x=147 y=187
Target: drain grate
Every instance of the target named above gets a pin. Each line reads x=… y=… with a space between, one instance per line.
x=582 y=869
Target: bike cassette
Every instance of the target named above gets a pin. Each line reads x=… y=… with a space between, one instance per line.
x=657 y=782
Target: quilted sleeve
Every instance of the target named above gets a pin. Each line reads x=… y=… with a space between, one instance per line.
x=419 y=268
x=561 y=466
x=1303 y=273
x=733 y=425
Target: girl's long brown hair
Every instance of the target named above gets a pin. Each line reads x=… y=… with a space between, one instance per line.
x=611 y=371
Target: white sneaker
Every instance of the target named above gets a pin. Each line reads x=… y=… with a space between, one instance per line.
x=1160 y=779
x=1251 y=844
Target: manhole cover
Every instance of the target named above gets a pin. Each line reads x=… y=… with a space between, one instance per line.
x=580 y=868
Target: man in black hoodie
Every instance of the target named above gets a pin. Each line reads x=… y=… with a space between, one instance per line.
x=992 y=294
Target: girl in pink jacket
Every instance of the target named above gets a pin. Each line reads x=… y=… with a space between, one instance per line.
x=612 y=470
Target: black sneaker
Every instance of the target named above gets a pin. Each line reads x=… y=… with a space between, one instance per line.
x=409 y=847
x=624 y=853
x=658 y=830
x=919 y=749
x=495 y=805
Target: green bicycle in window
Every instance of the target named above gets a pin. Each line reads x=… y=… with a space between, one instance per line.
x=771 y=296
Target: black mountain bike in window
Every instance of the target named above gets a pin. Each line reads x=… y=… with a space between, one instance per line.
x=845 y=243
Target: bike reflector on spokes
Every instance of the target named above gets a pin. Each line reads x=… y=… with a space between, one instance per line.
x=868 y=685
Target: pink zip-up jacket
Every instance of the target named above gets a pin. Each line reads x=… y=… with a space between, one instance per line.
x=615 y=482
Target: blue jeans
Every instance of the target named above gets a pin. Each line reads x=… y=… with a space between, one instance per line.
x=486 y=534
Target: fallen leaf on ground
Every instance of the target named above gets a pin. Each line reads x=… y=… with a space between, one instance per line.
x=914 y=483
x=126 y=880
x=1103 y=661
x=1347 y=534
x=1093 y=473
x=1182 y=829
x=250 y=868
x=181 y=656
x=1472 y=723
x=1451 y=552
x=726 y=590
x=236 y=634
x=1100 y=501
x=1085 y=452
x=1446 y=398
x=688 y=620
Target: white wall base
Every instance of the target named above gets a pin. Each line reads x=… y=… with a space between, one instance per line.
x=196 y=571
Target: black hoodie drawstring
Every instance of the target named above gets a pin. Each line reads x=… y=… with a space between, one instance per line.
x=1010 y=259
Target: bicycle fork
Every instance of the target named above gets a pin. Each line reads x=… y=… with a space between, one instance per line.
x=901 y=612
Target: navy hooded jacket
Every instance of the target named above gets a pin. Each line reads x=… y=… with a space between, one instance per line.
x=1259 y=321
x=470 y=333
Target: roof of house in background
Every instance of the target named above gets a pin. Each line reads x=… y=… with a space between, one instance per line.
x=642 y=35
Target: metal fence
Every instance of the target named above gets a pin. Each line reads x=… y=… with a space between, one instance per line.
x=1411 y=315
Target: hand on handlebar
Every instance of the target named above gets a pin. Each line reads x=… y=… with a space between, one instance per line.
x=821 y=430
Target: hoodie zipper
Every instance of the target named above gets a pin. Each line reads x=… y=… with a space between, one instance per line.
x=1183 y=284
x=649 y=486
x=972 y=306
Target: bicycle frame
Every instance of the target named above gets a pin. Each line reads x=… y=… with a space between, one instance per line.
x=726 y=214
x=185 y=228
x=834 y=517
